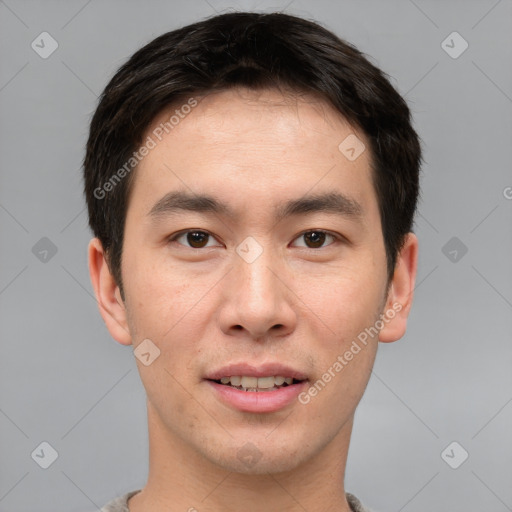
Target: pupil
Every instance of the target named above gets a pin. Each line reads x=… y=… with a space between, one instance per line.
x=317 y=236
x=196 y=237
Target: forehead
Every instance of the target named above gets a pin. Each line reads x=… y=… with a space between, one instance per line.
x=248 y=116
x=265 y=144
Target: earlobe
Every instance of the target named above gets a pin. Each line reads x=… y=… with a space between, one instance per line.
x=401 y=291
x=107 y=293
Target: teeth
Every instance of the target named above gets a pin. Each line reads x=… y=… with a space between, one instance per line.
x=235 y=381
x=265 y=382
x=249 y=382
x=255 y=383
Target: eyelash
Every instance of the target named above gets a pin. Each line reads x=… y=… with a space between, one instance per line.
x=338 y=238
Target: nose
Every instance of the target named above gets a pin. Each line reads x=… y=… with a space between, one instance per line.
x=258 y=299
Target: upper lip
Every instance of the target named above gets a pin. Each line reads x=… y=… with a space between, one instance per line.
x=264 y=370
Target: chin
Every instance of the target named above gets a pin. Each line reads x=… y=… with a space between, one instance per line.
x=273 y=464
x=259 y=459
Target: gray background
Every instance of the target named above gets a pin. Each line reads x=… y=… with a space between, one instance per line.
x=66 y=382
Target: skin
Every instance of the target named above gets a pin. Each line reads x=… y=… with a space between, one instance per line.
x=300 y=303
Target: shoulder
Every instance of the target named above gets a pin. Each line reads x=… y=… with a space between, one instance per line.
x=355 y=504
x=119 y=504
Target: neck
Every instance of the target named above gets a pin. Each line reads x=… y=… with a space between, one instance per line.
x=181 y=478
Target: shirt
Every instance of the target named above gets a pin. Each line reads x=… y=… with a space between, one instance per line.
x=120 y=504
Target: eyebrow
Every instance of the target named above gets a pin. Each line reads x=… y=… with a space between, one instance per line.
x=330 y=202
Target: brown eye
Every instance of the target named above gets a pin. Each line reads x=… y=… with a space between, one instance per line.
x=197 y=238
x=194 y=238
x=315 y=238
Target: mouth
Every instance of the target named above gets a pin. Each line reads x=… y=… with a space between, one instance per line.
x=257 y=384
x=263 y=388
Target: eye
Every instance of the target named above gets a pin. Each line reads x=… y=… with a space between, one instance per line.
x=195 y=237
x=315 y=237
x=198 y=239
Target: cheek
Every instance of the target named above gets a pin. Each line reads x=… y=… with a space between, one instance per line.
x=346 y=353
x=159 y=296
x=347 y=298
x=166 y=307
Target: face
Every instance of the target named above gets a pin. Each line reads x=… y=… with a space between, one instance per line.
x=252 y=282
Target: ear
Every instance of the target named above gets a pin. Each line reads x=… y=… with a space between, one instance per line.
x=401 y=291
x=108 y=295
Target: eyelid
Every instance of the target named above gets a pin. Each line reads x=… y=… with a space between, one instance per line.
x=336 y=236
x=173 y=237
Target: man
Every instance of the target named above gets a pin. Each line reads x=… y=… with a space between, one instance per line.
x=251 y=183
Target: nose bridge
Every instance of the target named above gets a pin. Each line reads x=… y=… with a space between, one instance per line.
x=258 y=301
x=253 y=270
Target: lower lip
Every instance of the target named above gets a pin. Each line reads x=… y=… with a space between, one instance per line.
x=258 y=401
